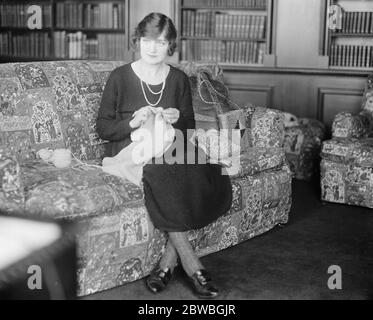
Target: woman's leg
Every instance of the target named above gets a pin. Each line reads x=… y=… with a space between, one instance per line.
x=161 y=275
x=201 y=281
x=178 y=244
x=169 y=258
x=188 y=257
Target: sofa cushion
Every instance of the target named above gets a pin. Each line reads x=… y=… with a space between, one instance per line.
x=75 y=192
x=349 y=151
x=347 y=125
x=52 y=105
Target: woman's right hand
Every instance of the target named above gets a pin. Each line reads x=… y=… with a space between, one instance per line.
x=139 y=117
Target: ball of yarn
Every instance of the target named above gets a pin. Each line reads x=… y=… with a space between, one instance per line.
x=45 y=154
x=61 y=158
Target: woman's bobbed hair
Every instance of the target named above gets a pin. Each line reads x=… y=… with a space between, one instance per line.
x=153 y=25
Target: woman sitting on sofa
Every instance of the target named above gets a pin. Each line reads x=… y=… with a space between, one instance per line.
x=178 y=197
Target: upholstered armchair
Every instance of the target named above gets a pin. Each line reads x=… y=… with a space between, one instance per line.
x=347 y=159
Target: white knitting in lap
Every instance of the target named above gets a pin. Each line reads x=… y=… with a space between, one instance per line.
x=152 y=139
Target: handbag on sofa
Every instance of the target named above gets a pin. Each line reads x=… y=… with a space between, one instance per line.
x=213 y=108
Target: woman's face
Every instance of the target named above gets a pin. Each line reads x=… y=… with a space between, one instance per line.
x=154 y=51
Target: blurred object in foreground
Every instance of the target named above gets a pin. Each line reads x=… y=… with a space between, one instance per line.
x=37 y=260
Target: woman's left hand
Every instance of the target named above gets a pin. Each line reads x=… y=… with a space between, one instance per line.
x=171 y=115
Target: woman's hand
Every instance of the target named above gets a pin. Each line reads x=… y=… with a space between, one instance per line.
x=171 y=115
x=139 y=117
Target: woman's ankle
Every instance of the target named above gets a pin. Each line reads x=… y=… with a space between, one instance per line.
x=166 y=267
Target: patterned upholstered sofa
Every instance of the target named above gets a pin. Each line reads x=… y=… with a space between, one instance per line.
x=303 y=146
x=54 y=105
x=347 y=159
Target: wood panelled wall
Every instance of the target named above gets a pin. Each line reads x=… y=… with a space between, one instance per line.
x=305 y=93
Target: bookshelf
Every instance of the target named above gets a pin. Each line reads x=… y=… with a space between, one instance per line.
x=70 y=30
x=349 y=34
x=231 y=32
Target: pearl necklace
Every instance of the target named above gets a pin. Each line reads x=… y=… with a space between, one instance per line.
x=160 y=92
x=150 y=89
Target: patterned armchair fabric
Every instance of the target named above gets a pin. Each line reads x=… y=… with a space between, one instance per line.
x=347 y=125
x=302 y=147
x=11 y=188
x=54 y=105
x=347 y=165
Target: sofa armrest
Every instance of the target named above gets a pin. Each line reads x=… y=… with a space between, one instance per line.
x=11 y=187
x=347 y=125
x=267 y=127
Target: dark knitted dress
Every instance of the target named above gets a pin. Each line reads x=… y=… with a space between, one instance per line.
x=178 y=197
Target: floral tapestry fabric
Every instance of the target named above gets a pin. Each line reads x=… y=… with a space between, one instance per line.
x=347 y=165
x=349 y=151
x=266 y=127
x=346 y=183
x=347 y=171
x=258 y=159
x=77 y=192
x=346 y=125
x=11 y=187
x=302 y=146
x=52 y=105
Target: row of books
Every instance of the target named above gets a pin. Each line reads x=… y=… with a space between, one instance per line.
x=99 y=15
x=77 y=45
x=15 y=15
x=209 y=24
x=257 y=4
x=357 y=22
x=351 y=56
x=239 y=52
x=32 y=44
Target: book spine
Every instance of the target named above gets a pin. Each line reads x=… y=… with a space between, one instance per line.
x=366 y=53
x=354 y=22
x=358 y=56
x=362 y=22
x=358 y=22
x=349 y=22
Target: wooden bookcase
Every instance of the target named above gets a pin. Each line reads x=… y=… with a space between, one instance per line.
x=85 y=29
x=231 y=32
x=349 y=34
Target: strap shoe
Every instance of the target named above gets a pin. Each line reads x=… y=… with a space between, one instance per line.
x=203 y=286
x=158 y=279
